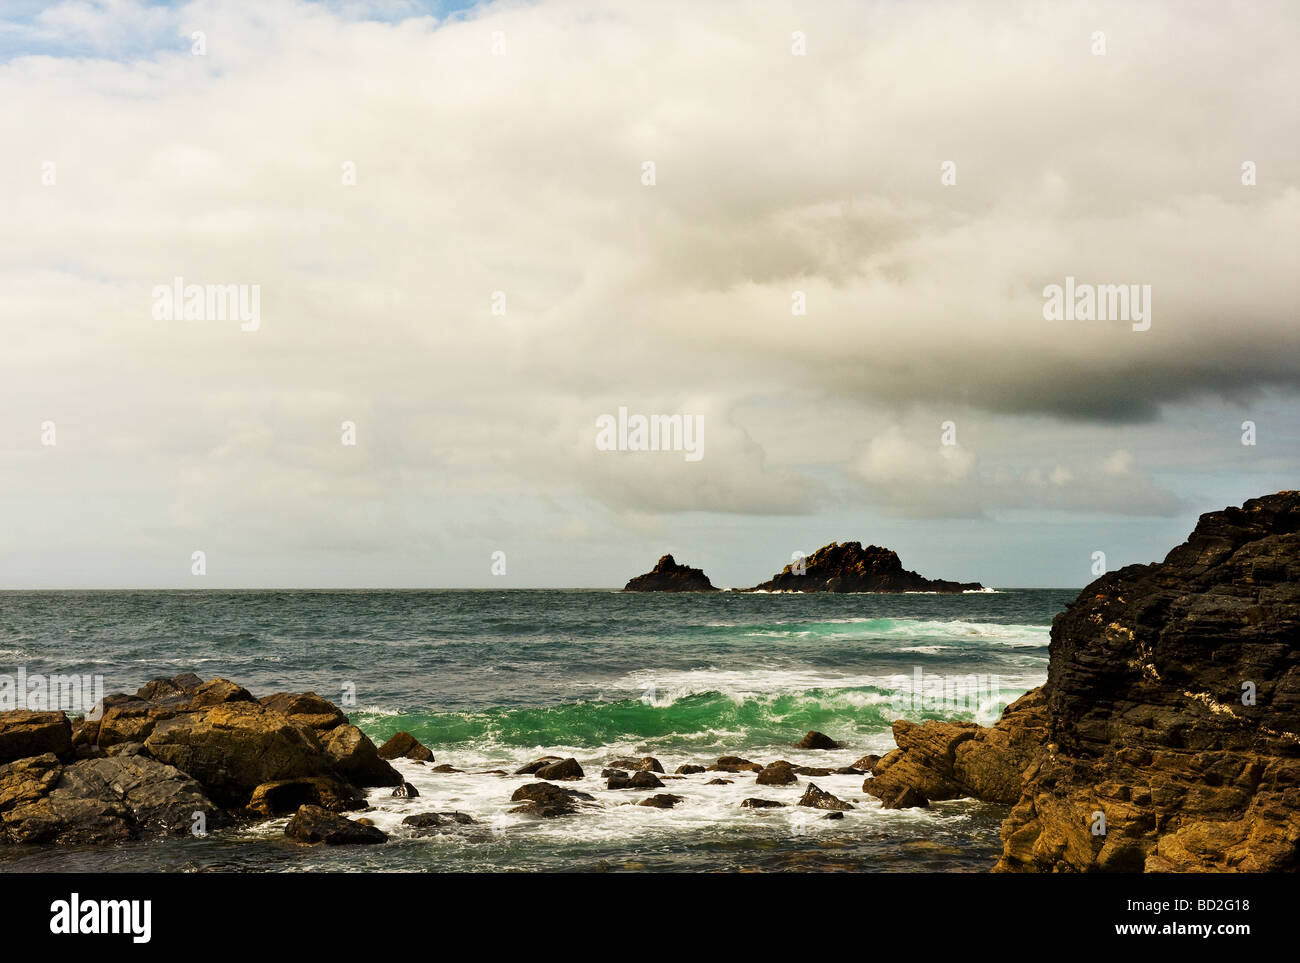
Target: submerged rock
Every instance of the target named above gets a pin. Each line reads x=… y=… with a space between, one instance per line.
x=312 y=824
x=545 y=800
x=661 y=800
x=761 y=804
x=668 y=576
x=638 y=780
x=817 y=740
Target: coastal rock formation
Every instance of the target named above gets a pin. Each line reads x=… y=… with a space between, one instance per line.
x=1167 y=735
x=152 y=763
x=848 y=567
x=668 y=576
x=1173 y=705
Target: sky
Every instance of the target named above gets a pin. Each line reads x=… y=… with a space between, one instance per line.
x=836 y=266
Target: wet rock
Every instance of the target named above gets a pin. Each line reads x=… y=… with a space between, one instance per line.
x=867 y=762
x=834 y=815
x=286 y=795
x=907 y=798
x=564 y=769
x=638 y=780
x=776 y=774
x=26 y=733
x=817 y=740
x=688 y=769
x=813 y=771
x=427 y=824
x=761 y=804
x=403 y=745
x=447 y=767
x=661 y=801
x=644 y=764
x=734 y=764
x=547 y=801
x=719 y=782
x=613 y=774
x=312 y=824
x=819 y=799
x=406 y=791
x=99 y=800
x=355 y=757
x=536 y=764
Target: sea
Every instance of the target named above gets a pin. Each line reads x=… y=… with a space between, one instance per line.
x=490 y=680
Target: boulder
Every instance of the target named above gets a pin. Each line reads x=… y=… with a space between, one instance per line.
x=564 y=769
x=26 y=733
x=545 y=800
x=776 y=774
x=403 y=745
x=688 y=769
x=638 y=780
x=644 y=764
x=355 y=757
x=661 y=800
x=761 y=804
x=734 y=764
x=817 y=740
x=312 y=824
x=866 y=763
x=536 y=764
x=287 y=795
x=819 y=799
x=306 y=709
x=234 y=747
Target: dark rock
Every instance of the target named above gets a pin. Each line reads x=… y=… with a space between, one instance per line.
x=866 y=763
x=26 y=733
x=613 y=774
x=761 y=804
x=447 y=767
x=819 y=799
x=536 y=764
x=719 y=782
x=834 y=815
x=312 y=824
x=403 y=745
x=776 y=774
x=668 y=576
x=908 y=798
x=638 y=780
x=734 y=764
x=688 y=769
x=286 y=795
x=661 y=801
x=406 y=791
x=564 y=769
x=817 y=740
x=644 y=764
x=547 y=801
x=814 y=771
x=849 y=567
x=1148 y=720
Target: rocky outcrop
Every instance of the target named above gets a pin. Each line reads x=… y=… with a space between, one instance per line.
x=1173 y=710
x=848 y=567
x=952 y=760
x=668 y=576
x=817 y=740
x=179 y=755
x=1167 y=735
x=546 y=800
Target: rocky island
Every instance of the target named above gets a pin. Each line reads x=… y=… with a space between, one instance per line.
x=1167 y=735
x=848 y=567
x=668 y=576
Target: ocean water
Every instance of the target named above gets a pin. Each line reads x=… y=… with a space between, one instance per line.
x=490 y=680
